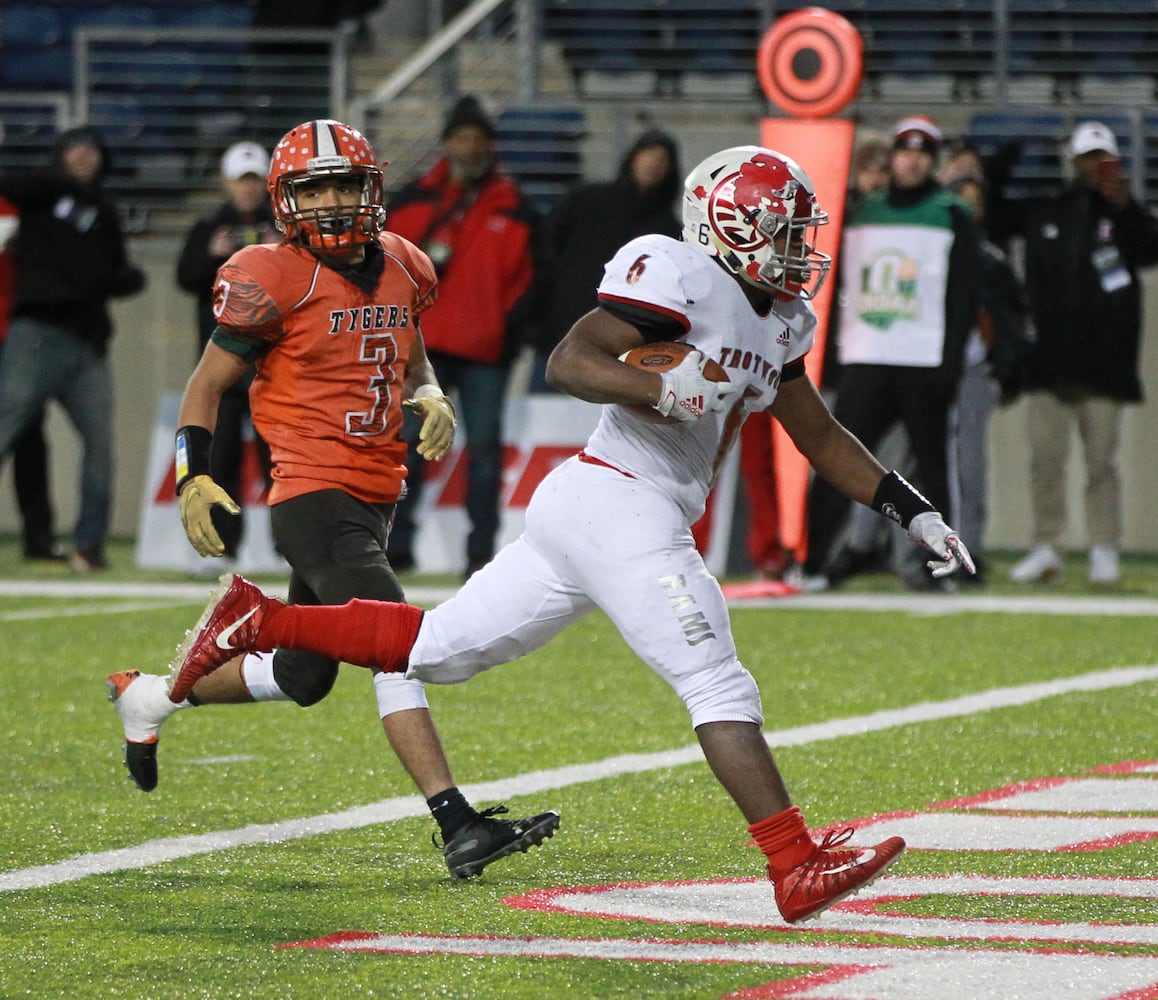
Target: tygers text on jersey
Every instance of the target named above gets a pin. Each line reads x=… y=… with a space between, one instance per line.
x=331 y=349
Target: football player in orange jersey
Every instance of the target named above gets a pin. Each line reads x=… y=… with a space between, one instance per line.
x=329 y=319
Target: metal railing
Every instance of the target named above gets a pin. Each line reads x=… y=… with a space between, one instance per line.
x=169 y=100
x=493 y=49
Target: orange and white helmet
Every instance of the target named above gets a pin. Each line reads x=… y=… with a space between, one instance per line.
x=739 y=201
x=319 y=149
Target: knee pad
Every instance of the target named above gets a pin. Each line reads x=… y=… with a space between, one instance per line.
x=723 y=692
x=305 y=677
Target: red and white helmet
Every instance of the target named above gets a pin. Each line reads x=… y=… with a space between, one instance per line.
x=738 y=202
x=326 y=148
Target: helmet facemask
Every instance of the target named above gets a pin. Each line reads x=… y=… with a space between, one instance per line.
x=791 y=262
x=327 y=151
x=331 y=228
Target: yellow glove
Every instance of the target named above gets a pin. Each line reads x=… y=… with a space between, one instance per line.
x=198 y=497
x=438 y=424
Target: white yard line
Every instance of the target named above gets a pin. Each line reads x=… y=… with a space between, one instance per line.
x=172 y=848
x=85 y=610
x=948 y=604
x=194 y=593
x=920 y=604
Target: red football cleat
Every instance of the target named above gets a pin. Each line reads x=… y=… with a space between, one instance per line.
x=228 y=628
x=830 y=874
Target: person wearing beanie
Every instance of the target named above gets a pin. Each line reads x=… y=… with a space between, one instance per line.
x=71 y=259
x=467 y=112
x=1083 y=248
x=909 y=294
x=484 y=238
x=918 y=132
x=243 y=218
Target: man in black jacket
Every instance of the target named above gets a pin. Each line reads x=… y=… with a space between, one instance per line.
x=243 y=218
x=70 y=258
x=1082 y=251
x=593 y=221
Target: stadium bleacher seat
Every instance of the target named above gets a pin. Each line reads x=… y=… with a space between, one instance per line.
x=1068 y=55
x=30 y=127
x=1041 y=135
x=120 y=15
x=49 y=67
x=663 y=39
x=225 y=16
x=37 y=25
x=33 y=47
x=540 y=147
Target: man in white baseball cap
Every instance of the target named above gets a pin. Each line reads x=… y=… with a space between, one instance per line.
x=244 y=158
x=1093 y=137
x=242 y=218
x=1083 y=249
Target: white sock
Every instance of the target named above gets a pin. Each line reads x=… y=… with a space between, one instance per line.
x=257 y=675
x=396 y=693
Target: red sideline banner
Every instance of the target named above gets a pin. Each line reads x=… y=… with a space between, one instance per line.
x=540 y=432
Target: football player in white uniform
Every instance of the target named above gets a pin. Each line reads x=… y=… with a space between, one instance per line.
x=611 y=527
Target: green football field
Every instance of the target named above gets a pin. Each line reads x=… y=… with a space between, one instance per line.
x=1010 y=734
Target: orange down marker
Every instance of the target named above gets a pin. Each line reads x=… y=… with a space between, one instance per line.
x=809 y=65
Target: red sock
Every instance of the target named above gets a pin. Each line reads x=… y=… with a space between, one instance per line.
x=784 y=840
x=365 y=633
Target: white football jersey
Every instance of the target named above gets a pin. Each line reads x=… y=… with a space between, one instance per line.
x=679 y=282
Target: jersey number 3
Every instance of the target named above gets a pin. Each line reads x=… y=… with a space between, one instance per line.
x=381 y=351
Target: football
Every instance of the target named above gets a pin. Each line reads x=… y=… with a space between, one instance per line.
x=662 y=357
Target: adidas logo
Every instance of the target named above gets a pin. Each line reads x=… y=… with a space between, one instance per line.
x=693 y=404
x=783 y=339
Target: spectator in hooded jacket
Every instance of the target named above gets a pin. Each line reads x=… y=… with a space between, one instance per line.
x=593 y=221
x=481 y=233
x=1083 y=248
x=70 y=260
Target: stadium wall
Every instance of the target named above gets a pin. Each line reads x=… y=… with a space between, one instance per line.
x=155 y=349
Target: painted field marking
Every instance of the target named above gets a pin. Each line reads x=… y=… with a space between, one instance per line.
x=745 y=903
x=944 y=956
x=863 y=971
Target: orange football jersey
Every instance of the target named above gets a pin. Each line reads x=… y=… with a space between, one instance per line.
x=329 y=387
